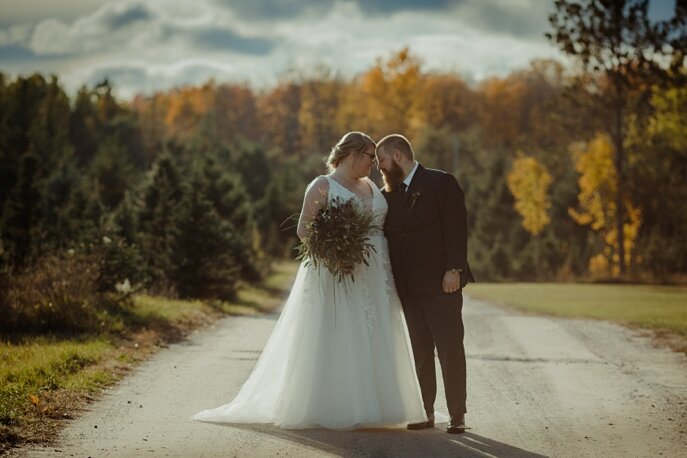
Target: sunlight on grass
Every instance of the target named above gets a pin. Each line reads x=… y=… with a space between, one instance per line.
x=147 y=307
x=44 y=364
x=251 y=300
x=654 y=307
x=266 y=297
x=20 y=362
x=282 y=276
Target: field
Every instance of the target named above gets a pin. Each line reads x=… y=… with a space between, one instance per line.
x=659 y=308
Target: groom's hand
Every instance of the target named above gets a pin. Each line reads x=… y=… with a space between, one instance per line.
x=451 y=282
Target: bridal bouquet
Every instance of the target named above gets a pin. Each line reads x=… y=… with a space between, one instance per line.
x=338 y=238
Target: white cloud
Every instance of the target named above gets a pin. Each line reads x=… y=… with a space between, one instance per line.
x=145 y=46
x=115 y=25
x=15 y=34
x=16 y=12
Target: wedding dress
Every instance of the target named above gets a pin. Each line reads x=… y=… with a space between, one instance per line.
x=339 y=356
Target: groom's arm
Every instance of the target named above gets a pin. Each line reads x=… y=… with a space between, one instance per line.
x=453 y=223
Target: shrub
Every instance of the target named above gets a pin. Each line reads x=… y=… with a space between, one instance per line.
x=56 y=294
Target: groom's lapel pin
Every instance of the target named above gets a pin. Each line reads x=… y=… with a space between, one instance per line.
x=414 y=196
x=411 y=194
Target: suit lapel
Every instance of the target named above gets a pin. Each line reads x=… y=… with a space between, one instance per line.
x=413 y=192
x=403 y=202
x=395 y=201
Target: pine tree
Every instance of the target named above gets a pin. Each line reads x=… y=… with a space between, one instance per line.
x=255 y=169
x=202 y=247
x=494 y=239
x=83 y=128
x=111 y=173
x=22 y=215
x=49 y=130
x=158 y=216
x=61 y=224
x=6 y=155
x=231 y=202
x=123 y=221
x=85 y=214
x=34 y=128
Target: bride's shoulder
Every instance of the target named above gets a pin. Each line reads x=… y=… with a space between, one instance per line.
x=319 y=184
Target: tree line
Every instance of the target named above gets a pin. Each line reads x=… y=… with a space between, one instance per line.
x=188 y=192
x=91 y=214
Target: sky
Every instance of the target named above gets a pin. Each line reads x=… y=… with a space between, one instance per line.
x=144 y=46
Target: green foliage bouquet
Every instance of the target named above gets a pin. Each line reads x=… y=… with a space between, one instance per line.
x=338 y=238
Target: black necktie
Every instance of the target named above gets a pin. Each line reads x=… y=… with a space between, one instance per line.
x=403 y=187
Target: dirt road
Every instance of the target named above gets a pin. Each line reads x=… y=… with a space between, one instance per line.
x=537 y=387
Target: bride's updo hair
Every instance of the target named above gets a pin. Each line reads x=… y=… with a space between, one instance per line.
x=352 y=142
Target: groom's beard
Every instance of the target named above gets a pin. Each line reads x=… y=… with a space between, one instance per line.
x=393 y=176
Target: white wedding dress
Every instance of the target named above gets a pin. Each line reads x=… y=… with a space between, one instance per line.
x=338 y=357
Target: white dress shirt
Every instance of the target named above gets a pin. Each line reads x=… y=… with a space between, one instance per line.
x=410 y=176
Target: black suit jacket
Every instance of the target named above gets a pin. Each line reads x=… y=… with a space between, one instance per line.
x=427 y=232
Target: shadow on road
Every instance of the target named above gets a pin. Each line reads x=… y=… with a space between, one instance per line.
x=394 y=442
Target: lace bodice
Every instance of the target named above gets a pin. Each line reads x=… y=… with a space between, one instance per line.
x=377 y=203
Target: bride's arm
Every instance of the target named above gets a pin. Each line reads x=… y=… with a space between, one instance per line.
x=315 y=199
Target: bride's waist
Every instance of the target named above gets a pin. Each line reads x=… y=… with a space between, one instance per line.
x=377 y=235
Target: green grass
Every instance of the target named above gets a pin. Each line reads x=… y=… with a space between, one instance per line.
x=652 y=307
x=153 y=308
x=42 y=365
x=282 y=276
x=43 y=376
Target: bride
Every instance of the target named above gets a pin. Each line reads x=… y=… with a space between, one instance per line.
x=339 y=356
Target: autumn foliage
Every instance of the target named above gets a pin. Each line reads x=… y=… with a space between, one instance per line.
x=219 y=170
x=529 y=182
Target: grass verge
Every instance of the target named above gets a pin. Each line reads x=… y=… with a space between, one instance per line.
x=661 y=309
x=45 y=380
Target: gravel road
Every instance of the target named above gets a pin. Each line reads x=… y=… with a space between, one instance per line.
x=537 y=386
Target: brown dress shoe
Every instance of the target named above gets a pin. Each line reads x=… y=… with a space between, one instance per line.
x=456 y=425
x=423 y=424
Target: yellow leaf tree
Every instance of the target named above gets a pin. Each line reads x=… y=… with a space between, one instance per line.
x=598 y=184
x=529 y=182
x=388 y=96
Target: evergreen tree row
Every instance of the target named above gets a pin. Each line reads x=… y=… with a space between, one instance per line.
x=82 y=197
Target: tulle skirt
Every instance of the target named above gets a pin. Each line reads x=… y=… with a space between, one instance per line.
x=339 y=357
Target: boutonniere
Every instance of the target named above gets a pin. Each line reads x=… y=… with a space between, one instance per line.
x=414 y=197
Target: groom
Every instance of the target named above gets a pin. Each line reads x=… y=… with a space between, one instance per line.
x=426 y=227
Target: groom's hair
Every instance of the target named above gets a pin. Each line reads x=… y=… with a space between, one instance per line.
x=396 y=142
